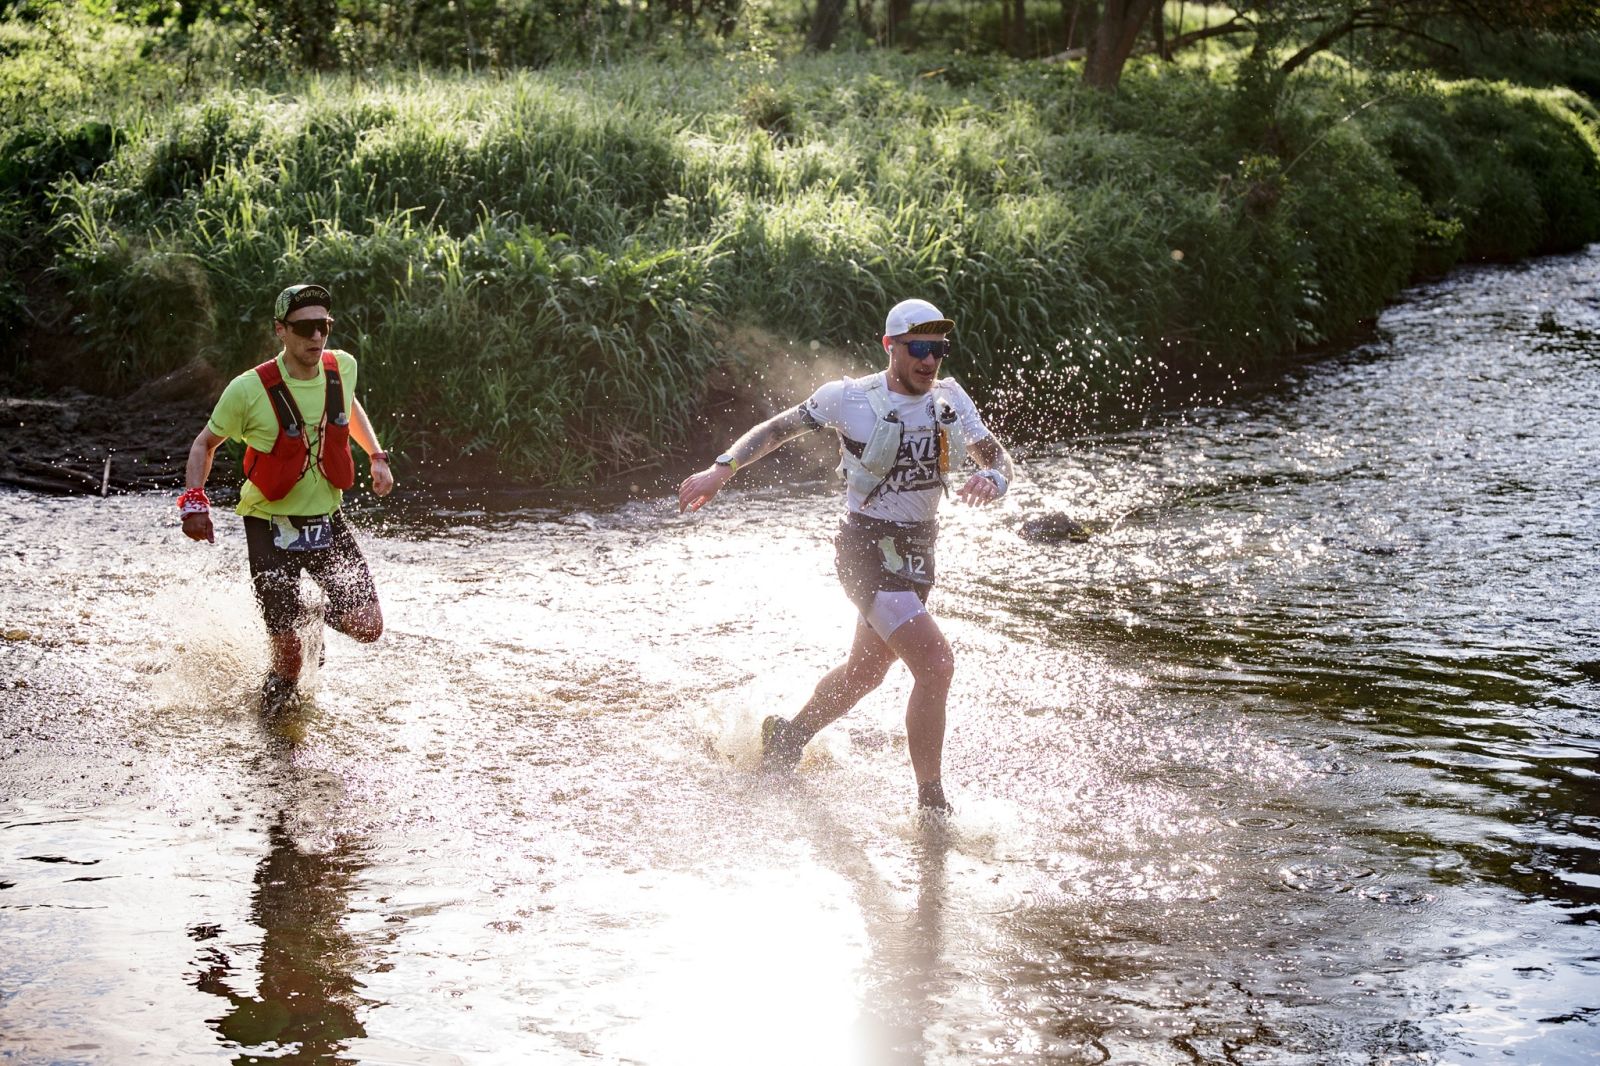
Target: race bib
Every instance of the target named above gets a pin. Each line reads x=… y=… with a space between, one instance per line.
x=294 y=533
x=909 y=556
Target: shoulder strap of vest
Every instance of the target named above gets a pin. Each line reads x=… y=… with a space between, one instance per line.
x=283 y=404
x=952 y=437
x=869 y=472
x=333 y=409
x=877 y=398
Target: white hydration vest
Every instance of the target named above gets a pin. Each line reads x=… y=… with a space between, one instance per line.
x=865 y=475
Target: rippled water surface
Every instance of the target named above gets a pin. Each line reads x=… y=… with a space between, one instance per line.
x=1293 y=761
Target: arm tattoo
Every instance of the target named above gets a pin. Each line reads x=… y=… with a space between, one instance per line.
x=767 y=436
x=992 y=455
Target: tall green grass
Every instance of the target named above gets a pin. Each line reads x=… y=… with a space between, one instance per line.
x=543 y=267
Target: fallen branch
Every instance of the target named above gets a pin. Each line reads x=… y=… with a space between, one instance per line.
x=57 y=470
x=23 y=481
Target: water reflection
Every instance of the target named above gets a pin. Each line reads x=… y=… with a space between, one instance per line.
x=293 y=994
x=910 y=955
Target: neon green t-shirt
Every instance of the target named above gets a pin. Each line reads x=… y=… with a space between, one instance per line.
x=244 y=412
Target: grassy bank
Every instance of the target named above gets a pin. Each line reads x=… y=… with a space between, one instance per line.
x=546 y=266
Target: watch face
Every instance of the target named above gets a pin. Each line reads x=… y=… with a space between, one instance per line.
x=725 y=458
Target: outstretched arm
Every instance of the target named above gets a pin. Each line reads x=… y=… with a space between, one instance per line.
x=994 y=474
x=361 y=430
x=697 y=489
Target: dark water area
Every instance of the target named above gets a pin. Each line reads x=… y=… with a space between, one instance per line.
x=1292 y=760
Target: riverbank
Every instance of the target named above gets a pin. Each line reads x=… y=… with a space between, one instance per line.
x=546 y=273
x=71 y=442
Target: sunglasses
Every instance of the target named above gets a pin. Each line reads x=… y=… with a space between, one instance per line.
x=310 y=327
x=920 y=350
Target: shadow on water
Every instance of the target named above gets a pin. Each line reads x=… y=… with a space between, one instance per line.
x=907 y=977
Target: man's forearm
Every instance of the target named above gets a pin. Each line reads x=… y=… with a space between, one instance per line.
x=198 y=469
x=361 y=429
x=768 y=436
x=992 y=455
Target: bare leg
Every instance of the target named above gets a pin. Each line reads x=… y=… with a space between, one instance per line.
x=921 y=645
x=286 y=655
x=365 y=623
x=844 y=686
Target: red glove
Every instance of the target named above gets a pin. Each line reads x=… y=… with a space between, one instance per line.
x=196 y=515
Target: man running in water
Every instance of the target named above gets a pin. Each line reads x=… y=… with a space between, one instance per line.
x=296 y=414
x=903 y=434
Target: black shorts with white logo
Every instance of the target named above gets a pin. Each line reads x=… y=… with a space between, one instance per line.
x=872 y=555
x=340 y=570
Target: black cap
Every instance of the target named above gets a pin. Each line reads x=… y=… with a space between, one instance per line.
x=297 y=296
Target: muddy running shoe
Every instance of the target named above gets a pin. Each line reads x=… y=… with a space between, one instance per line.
x=781 y=743
x=277 y=693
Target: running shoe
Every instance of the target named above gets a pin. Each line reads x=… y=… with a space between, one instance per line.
x=277 y=693
x=781 y=743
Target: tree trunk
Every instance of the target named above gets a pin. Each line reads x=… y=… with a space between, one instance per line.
x=899 y=13
x=1078 y=16
x=1120 y=23
x=1322 y=42
x=1158 y=32
x=1205 y=33
x=1017 y=30
x=866 y=21
x=824 y=25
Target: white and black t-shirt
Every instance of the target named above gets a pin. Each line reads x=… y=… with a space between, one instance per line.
x=912 y=491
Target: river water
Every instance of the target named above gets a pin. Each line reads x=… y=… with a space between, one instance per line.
x=1292 y=761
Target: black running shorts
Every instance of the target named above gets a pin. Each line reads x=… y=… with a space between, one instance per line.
x=867 y=565
x=340 y=570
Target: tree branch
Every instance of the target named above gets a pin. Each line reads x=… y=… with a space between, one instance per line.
x=1236 y=24
x=1321 y=42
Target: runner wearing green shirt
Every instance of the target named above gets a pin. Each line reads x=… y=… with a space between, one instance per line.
x=296 y=414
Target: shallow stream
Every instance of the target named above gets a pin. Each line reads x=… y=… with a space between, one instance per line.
x=1292 y=761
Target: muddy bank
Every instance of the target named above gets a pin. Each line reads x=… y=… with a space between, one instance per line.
x=74 y=442
x=79 y=443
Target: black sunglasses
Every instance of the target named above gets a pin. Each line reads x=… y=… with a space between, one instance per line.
x=309 y=327
x=920 y=350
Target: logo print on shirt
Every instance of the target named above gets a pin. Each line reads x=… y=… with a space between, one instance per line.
x=916 y=466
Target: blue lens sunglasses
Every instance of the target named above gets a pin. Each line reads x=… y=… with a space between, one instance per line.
x=921 y=350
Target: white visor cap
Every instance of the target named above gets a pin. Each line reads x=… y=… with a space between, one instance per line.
x=915 y=316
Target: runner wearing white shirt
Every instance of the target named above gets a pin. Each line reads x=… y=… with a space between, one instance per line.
x=903 y=436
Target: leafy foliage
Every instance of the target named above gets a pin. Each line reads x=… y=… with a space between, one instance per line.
x=544 y=266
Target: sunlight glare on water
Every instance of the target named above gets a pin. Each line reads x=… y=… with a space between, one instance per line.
x=774 y=962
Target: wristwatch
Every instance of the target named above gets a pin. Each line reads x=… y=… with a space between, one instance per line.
x=726 y=459
x=374 y=457
x=997 y=479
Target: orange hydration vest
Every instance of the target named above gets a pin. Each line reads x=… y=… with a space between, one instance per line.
x=276 y=472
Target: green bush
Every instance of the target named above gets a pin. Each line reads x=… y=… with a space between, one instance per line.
x=1503 y=171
